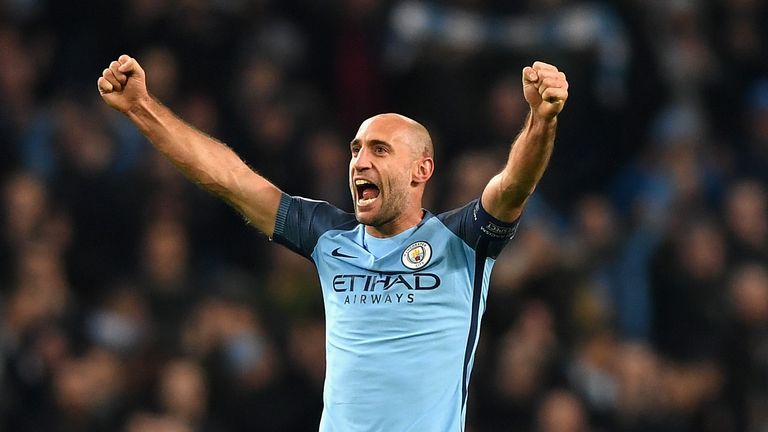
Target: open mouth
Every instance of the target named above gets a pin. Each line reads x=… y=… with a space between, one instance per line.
x=367 y=192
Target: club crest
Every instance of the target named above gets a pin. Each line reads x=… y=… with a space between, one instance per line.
x=417 y=255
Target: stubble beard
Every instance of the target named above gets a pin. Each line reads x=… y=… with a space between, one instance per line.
x=389 y=210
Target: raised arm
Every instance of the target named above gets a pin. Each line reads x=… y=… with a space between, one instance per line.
x=546 y=90
x=203 y=159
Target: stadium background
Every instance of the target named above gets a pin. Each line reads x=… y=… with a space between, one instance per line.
x=634 y=298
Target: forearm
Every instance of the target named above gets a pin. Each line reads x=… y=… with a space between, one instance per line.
x=208 y=163
x=545 y=89
x=528 y=158
x=507 y=192
x=200 y=157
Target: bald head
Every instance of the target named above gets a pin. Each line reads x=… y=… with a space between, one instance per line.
x=408 y=130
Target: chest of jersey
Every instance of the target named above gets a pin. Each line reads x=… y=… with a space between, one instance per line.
x=395 y=284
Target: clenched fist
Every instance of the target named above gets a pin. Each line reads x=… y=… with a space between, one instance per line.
x=123 y=84
x=545 y=89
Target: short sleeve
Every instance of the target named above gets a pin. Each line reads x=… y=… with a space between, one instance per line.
x=473 y=224
x=300 y=222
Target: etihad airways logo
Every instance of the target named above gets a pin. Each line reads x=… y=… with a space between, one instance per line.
x=372 y=282
x=383 y=288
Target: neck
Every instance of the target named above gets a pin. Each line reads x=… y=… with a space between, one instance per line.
x=397 y=225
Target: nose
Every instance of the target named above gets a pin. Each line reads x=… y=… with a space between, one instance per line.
x=361 y=161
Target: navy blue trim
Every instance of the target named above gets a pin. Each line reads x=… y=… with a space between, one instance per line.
x=459 y=221
x=300 y=223
x=282 y=214
x=477 y=294
x=491 y=226
x=472 y=222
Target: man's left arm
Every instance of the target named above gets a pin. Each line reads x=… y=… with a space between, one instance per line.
x=546 y=90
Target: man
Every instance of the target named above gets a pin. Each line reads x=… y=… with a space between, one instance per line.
x=404 y=289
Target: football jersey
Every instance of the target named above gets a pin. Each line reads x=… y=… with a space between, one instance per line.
x=402 y=312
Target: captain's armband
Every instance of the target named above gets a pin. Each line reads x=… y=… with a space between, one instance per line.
x=490 y=226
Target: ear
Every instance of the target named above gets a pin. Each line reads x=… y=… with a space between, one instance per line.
x=422 y=170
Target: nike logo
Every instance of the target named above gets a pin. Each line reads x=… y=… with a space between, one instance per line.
x=336 y=253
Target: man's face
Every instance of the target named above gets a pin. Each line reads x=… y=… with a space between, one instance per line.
x=380 y=170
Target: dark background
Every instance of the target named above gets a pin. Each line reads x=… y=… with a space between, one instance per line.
x=634 y=297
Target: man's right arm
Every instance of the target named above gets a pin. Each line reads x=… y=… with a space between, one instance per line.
x=203 y=159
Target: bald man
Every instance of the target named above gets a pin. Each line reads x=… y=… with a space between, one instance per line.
x=404 y=290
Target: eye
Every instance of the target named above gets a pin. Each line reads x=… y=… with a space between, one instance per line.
x=380 y=150
x=355 y=149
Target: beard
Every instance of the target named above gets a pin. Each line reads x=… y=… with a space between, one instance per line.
x=391 y=206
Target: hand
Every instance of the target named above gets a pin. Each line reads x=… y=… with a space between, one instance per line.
x=545 y=89
x=123 y=84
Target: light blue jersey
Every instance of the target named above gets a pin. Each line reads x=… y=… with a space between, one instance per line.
x=402 y=313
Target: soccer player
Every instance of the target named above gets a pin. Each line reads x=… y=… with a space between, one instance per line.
x=404 y=289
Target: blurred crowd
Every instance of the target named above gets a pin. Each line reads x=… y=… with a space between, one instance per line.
x=634 y=297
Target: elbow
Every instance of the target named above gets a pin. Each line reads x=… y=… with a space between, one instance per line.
x=515 y=191
x=516 y=196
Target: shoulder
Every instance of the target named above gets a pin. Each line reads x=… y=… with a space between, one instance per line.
x=301 y=222
x=321 y=213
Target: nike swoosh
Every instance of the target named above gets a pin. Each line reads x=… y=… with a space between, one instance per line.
x=336 y=253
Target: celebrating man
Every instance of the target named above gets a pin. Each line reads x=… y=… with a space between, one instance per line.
x=404 y=290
